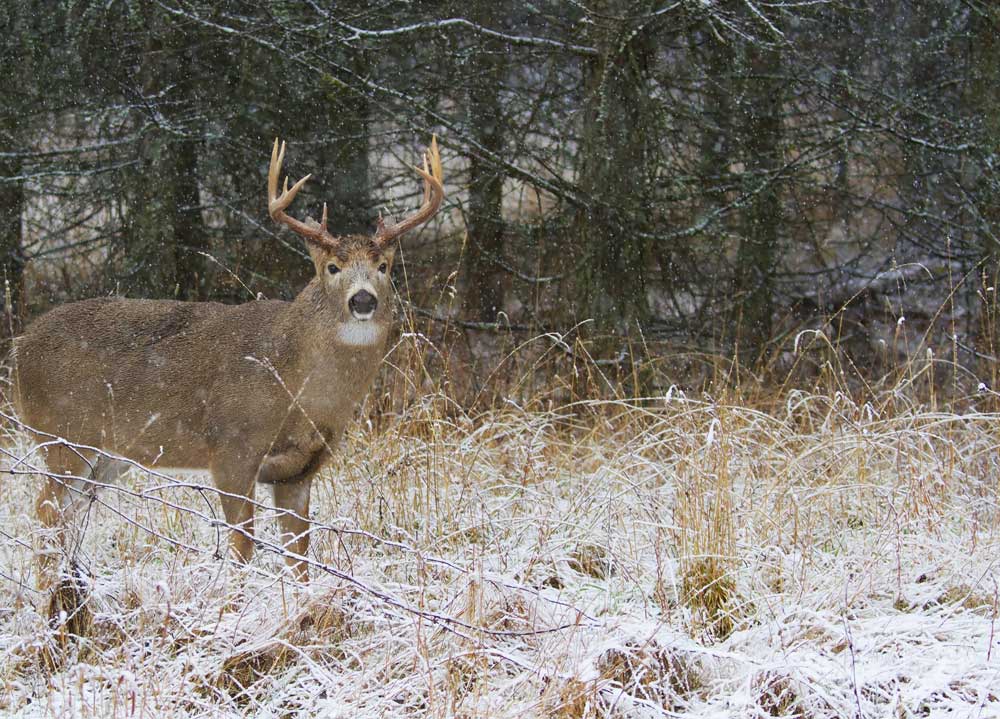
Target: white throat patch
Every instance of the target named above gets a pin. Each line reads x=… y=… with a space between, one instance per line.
x=360 y=334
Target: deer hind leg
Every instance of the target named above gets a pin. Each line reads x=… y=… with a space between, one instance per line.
x=64 y=492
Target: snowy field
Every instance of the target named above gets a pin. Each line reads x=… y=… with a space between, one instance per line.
x=668 y=557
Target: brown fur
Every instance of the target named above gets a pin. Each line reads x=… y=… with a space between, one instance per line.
x=252 y=392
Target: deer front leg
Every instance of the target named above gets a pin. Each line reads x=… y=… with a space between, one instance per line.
x=239 y=517
x=293 y=498
x=237 y=499
x=289 y=471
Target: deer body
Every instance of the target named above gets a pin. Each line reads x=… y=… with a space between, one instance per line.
x=173 y=384
x=258 y=392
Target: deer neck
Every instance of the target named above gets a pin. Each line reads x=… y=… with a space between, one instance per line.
x=335 y=357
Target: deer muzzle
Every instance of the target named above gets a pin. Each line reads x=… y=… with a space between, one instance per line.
x=362 y=304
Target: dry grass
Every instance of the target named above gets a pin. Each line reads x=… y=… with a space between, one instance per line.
x=748 y=553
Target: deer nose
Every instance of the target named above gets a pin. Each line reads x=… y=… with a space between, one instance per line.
x=362 y=304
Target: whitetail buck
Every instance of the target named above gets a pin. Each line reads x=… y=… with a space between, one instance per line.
x=258 y=392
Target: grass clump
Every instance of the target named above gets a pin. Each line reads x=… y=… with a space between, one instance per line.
x=667 y=678
x=709 y=591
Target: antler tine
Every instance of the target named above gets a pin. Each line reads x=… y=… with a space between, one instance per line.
x=427 y=171
x=433 y=177
x=277 y=204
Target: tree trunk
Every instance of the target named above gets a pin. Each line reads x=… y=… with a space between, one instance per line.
x=718 y=148
x=614 y=175
x=15 y=89
x=716 y=152
x=343 y=168
x=758 y=250
x=164 y=229
x=484 y=222
x=147 y=243
x=984 y=98
x=190 y=238
x=12 y=259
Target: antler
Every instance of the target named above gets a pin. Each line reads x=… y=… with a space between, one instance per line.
x=276 y=204
x=433 y=195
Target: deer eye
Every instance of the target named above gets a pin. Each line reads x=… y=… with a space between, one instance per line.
x=332 y=269
x=383 y=267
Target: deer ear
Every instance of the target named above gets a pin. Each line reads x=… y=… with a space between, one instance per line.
x=319 y=251
x=320 y=255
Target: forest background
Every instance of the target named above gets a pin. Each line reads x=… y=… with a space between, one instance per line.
x=641 y=180
x=689 y=411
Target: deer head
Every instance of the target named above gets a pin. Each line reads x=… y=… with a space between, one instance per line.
x=353 y=270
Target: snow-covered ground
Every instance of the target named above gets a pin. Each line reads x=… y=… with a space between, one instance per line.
x=657 y=558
